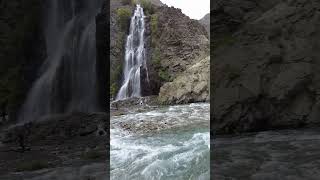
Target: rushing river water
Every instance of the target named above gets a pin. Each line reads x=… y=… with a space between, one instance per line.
x=177 y=148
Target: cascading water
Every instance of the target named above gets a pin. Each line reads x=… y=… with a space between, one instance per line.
x=67 y=80
x=135 y=58
x=170 y=143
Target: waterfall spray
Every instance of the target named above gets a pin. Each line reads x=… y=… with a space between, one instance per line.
x=67 y=80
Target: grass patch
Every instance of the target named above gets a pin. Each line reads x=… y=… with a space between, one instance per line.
x=154 y=23
x=113 y=89
x=123 y=16
x=32 y=165
x=164 y=75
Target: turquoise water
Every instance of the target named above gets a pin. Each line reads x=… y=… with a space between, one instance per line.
x=179 y=150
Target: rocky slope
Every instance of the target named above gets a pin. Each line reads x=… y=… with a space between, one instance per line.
x=266 y=65
x=205 y=21
x=180 y=40
x=191 y=86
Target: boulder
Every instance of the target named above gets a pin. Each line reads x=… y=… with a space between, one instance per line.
x=191 y=86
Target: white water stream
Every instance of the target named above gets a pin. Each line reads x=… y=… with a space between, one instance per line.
x=134 y=57
x=179 y=152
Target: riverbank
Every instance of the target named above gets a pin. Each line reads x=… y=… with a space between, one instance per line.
x=70 y=146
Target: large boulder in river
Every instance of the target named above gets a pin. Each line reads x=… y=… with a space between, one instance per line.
x=266 y=71
x=191 y=86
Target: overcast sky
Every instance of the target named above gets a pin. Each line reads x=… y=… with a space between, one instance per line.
x=195 y=9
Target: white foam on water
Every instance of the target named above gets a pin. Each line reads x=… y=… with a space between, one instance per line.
x=176 y=154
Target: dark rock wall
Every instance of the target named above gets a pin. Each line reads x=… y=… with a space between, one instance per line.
x=102 y=39
x=22 y=51
x=266 y=71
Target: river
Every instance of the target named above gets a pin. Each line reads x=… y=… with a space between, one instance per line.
x=177 y=146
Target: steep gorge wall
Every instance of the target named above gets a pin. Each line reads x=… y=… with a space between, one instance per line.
x=103 y=75
x=23 y=50
x=266 y=69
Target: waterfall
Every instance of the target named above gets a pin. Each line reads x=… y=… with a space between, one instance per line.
x=67 y=78
x=135 y=58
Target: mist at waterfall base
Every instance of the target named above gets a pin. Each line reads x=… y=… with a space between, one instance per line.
x=135 y=58
x=67 y=79
x=178 y=153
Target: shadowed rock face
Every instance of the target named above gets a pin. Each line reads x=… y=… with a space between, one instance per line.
x=266 y=70
x=103 y=75
x=22 y=53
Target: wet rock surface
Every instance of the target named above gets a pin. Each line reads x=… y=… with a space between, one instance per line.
x=266 y=67
x=133 y=105
x=274 y=155
x=163 y=118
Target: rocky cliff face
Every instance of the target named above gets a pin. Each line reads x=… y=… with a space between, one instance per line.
x=266 y=67
x=23 y=50
x=22 y=36
x=174 y=43
x=183 y=45
x=205 y=21
x=102 y=36
x=180 y=40
x=177 y=43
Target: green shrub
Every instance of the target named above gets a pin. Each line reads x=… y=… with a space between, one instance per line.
x=164 y=75
x=32 y=165
x=154 y=24
x=147 y=6
x=123 y=15
x=113 y=89
x=156 y=58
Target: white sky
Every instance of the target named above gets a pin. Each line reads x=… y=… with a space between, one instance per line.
x=195 y=9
